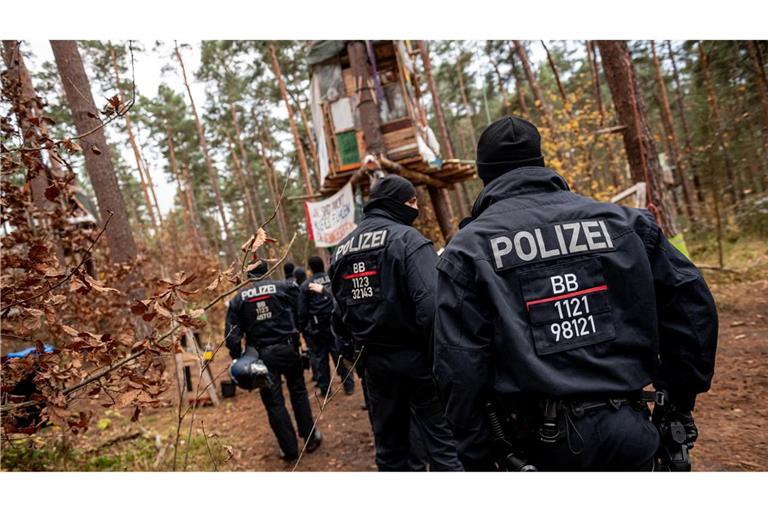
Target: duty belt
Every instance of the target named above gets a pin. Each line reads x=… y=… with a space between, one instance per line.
x=557 y=413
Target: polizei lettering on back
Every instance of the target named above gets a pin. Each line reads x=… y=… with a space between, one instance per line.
x=258 y=291
x=362 y=242
x=550 y=242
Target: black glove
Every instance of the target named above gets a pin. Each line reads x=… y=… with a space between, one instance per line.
x=347 y=350
x=664 y=416
x=305 y=359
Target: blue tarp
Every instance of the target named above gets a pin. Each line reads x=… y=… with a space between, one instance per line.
x=29 y=350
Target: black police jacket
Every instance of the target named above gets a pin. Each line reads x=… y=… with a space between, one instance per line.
x=315 y=309
x=265 y=312
x=545 y=293
x=383 y=278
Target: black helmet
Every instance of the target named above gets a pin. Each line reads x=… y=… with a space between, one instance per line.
x=248 y=371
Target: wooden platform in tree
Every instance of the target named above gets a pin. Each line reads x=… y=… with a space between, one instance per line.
x=419 y=172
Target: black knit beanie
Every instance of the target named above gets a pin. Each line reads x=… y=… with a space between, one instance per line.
x=390 y=194
x=507 y=144
x=393 y=186
x=259 y=270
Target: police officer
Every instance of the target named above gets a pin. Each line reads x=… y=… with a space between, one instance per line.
x=288 y=268
x=383 y=279
x=315 y=309
x=299 y=275
x=265 y=312
x=556 y=310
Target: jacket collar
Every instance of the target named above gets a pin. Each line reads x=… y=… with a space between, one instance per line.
x=521 y=181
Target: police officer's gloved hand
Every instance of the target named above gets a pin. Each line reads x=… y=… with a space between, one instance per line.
x=691 y=432
x=663 y=416
x=347 y=350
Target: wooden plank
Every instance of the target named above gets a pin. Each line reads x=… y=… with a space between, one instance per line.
x=397 y=124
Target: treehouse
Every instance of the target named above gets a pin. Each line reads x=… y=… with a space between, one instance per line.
x=365 y=100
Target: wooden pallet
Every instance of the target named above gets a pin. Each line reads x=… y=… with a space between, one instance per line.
x=451 y=172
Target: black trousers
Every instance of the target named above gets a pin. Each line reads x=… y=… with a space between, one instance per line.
x=322 y=346
x=417 y=458
x=282 y=360
x=601 y=440
x=401 y=389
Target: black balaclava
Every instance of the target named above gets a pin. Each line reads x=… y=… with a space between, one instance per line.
x=259 y=270
x=507 y=144
x=300 y=275
x=390 y=194
x=316 y=264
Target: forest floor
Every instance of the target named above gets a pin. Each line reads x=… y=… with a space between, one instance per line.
x=732 y=418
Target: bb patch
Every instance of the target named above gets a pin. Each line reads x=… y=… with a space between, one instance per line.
x=568 y=306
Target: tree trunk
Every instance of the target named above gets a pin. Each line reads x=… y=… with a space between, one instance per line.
x=244 y=185
x=443 y=211
x=680 y=103
x=669 y=128
x=135 y=147
x=440 y=201
x=506 y=106
x=291 y=120
x=366 y=102
x=186 y=206
x=592 y=58
x=274 y=192
x=519 y=88
x=540 y=101
x=98 y=160
x=192 y=202
x=563 y=96
x=468 y=111
x=733 y=187
x=212 y=173
x=252 y=187
x=762 y=81
x=25 y=107
x=638 y=141
x=311 y=140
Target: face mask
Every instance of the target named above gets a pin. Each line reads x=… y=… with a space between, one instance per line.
x=401 y=212
x=406 y=214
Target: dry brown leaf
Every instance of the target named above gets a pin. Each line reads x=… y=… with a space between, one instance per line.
x=69 y=330
x=99 y=286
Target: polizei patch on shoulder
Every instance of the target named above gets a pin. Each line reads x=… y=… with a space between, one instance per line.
x=550 y=242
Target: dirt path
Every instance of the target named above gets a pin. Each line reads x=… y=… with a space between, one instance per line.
x=347 y=439
x=732 y=418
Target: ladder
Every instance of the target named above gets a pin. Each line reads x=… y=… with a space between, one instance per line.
x=193 y=377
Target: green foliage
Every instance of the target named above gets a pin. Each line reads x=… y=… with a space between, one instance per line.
x=42 y=453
